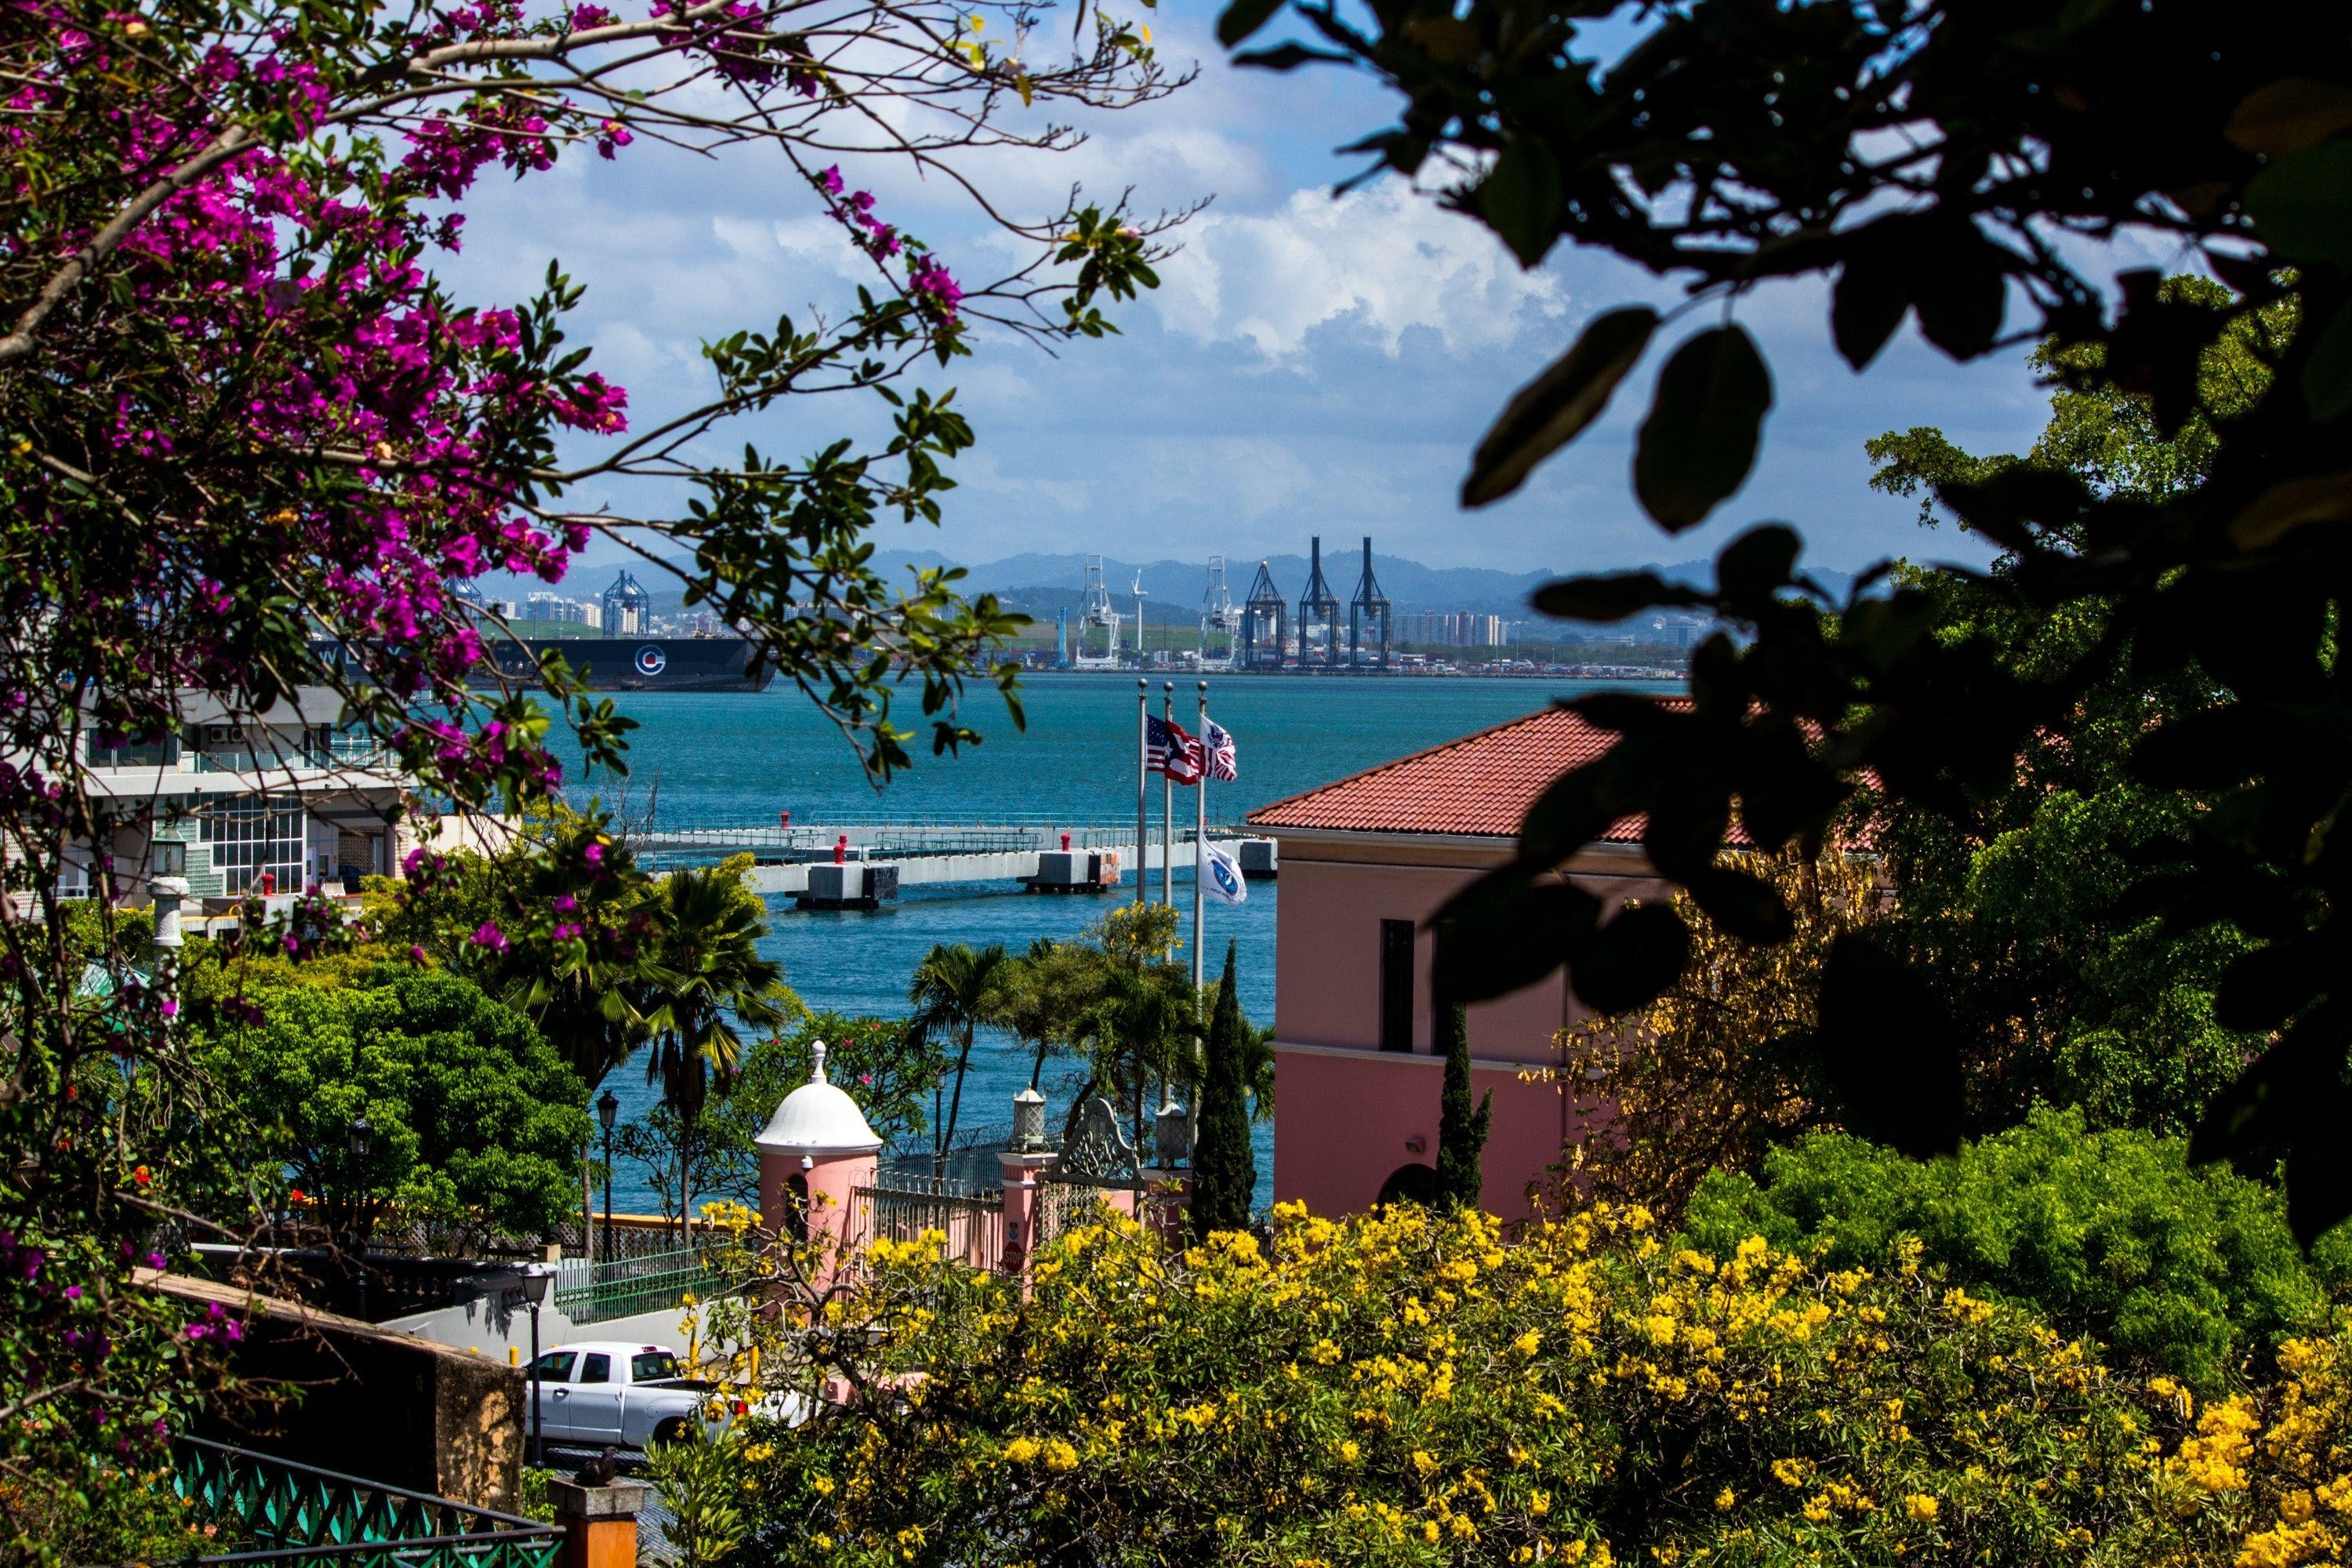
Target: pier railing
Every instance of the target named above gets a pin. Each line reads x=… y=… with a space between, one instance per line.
x=899 y=840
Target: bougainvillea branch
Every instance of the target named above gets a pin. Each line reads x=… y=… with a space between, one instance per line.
x=251 y=445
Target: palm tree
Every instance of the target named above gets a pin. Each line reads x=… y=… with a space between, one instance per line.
x=713 y=979
x=954 y=991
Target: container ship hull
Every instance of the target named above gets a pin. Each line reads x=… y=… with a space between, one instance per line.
x=638 y=664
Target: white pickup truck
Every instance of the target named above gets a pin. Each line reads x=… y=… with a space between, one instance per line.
x=602 y=1392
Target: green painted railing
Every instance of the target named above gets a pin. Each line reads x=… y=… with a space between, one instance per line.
x=589 y=1293
x=297 y=1515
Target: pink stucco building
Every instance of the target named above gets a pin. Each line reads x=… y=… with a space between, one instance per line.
x=1364 y=863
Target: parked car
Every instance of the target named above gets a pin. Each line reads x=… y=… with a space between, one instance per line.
x=602 y=1392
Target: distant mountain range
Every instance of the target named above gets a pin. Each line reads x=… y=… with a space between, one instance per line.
x=1040 y=585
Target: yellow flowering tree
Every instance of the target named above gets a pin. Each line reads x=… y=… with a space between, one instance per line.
x=1407 y=1388
x=1706 y=1077
x=2274 y=1466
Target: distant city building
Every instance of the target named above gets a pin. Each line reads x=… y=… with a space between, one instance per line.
x=1452 y=628
x=1679 y=631
x=545 y=607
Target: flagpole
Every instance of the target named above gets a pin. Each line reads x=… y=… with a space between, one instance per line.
x=1168 y=804
x=1142 y=781
x=1200 y=837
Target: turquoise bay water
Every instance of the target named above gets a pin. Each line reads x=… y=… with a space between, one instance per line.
x=738 y=758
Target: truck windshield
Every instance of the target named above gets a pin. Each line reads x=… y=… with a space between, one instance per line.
x=652 y=1366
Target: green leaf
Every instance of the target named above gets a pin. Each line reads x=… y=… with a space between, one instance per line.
x=2327 y=374
x=1959 y=288
x=1699 y=441
x=1757 y=565
x=1286 y=56
x=1888 y=1051
x=2290 y=115
x=1866 y=306
x=1243 y=17
x=1554 y=409
x=2302 y=206
x=1505 y=931
x=1520 y=200
x=1631 y=959
x=1612 y=597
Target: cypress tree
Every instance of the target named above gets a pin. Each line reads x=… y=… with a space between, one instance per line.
x=1225 y=1168
x=1461 y=1132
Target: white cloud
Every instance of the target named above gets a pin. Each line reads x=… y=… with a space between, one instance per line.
x=1386 y=258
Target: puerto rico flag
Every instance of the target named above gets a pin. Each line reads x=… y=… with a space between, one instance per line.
x=1219 y=744
x=1167 y=749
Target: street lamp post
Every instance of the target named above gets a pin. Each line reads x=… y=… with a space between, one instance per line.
x=362 y=1138
x=534 y=1291
x=608 y=1111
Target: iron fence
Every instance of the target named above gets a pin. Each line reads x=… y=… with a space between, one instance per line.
x=973 y=1224
x=591 y=1292
x=301 y=1515
x=1064 y=1206
x=637 y=1237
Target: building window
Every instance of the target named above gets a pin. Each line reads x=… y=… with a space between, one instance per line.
x=1396 y=986
x=253 y=836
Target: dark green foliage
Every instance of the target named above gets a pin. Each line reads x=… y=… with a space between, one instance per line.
x=2181 y=1270
x=475 y=1119
x=955 y=990
x=885 y=1065
x=1713 y=144
x=1225 y=1166
x=1460 y=1132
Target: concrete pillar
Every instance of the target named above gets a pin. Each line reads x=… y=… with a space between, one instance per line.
x=599 y=1523
x=1168 y=1213
x=1170 y=1183
x=1023 y=1171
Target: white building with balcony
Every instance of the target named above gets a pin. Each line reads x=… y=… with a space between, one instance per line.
x=275 y=802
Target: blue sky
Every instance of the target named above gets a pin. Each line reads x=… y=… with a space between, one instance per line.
x=1309 y=366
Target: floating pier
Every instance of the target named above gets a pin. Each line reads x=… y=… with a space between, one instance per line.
x=862 y=866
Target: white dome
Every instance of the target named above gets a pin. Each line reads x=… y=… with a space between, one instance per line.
x=818 y=1119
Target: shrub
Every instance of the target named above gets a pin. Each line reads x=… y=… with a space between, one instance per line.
x=2110 y=1234
x=1406 y=1388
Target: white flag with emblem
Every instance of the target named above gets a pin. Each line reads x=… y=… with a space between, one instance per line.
x=1220 y=876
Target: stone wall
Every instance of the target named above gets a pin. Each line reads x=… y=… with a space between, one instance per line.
x=365 y=1401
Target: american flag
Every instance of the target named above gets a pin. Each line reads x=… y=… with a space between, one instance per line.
x=1167 y=749
x=1219 y=741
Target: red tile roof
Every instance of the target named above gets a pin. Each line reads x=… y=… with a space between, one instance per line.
x=1480 y=785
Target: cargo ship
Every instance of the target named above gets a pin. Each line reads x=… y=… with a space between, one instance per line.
x=637 y=663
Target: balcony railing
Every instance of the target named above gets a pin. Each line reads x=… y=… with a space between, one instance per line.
x=344 y=752
x=296 y=1516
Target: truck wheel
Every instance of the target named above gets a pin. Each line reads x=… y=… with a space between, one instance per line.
x=670 y=1431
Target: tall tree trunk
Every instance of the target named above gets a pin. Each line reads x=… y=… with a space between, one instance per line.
x=955 y=1101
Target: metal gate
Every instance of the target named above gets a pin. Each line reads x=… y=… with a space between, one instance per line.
x=972 y=1224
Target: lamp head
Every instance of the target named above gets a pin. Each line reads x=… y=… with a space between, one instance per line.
x=362 y=1137
x=535 y=1282
x=608 y=1108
